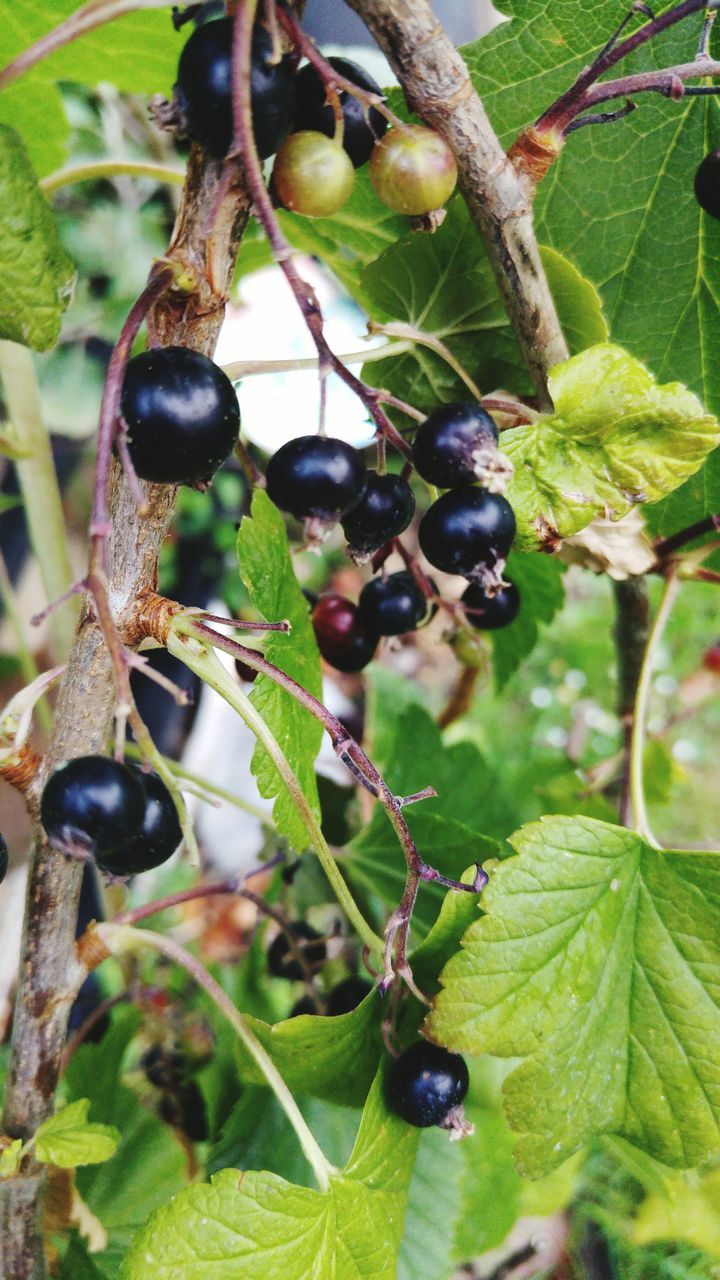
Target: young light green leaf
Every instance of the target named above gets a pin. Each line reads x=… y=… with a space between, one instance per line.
x=261 y=1226
x=577 y=301
x=598 y=961
x=616 y=438
x=36 y=276
x=539 y=580
x=267 y=571
x=330 y=1058
x=10 y=1158
x=68 y=1138
x=689 y=1209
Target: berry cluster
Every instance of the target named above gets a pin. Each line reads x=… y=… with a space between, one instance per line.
x=301 y=960
x=119 y=815
x=468 y=530
x=181 y=1102
x=316 y=151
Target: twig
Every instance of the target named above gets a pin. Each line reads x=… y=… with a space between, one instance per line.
x=668 y=546
x=631 y=635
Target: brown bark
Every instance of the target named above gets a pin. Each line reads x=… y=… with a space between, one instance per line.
x=49 y=973
x=499 y=197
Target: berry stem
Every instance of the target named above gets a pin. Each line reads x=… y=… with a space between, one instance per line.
x=119 y=938
x=331 y=78
x=632 y=609
x=637 y=746
x=249 y=368
x=244 y=145
x=667 y=548
x=111 y=169
x=408 y=333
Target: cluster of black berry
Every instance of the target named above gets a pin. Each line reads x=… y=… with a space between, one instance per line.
x=116 y=813
x=468 y=530
x=301 y=960
x=180 y=1102
x=412 y=168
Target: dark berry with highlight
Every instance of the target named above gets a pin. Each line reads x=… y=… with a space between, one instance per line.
x=467 y=528
x=447 y=442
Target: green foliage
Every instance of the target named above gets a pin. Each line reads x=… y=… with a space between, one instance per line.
x=655 y=260
x=597 y=961
x=68 y=1138
x=263 y=1225
x=540 y=582
x=37 y=277
x=615 y=439
x=258 y=1135
x=267 y=572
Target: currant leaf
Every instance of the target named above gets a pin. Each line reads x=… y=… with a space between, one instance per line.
x=68 y=1138
x=598 y=962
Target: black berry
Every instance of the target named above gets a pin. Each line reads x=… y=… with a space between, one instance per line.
x=426 y=1083
x=158 y=837
x=707 y=184
x=490 y=613
x=312 y=175
x=4 y=859
x=362 y=128
x=347 y=995
x=92 y=805
x=203 y=90
x=182 y=415
x=281 y=959
x=393 y=605
x=447 y=443
x=304 y=1005
x=413 y=170
x=315 y=476
x=343 y=638
x=184 y=1108
x=466 y=528
x=385 y=510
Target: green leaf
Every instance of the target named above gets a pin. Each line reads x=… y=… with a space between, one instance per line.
x=267 y=571
x=36 y=276
x=619 y=202
x=10 y=1158
x=458 y=911
x=35 y=108
x=261 y=1226
x=615 y=439
x=68 y=1139
x=426 y=1251
x=688 y=1210
x=598 y=961
x=331 y=1058
x=540 y=582
x=258 y=1135
x=444 y=286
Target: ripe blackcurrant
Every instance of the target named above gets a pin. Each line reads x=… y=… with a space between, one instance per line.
x=281 y=959
x=451 y=445
x=304 y=1005
x=466 y=528
x=315 y=476
x=312 y=175
x=158 y=837
x=393 y=605
x=490 y=613
x=203 y=90
x=342 y=637
x=182 y=415
x=362 y=128
x=707 y=184
x=92 y=805
x=413 y=170
x=4 y=859
x=347 y=995
x=426 y=1083
x=385 y=510
x=184 y=1109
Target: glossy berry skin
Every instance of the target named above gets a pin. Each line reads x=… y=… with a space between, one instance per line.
x=385 y=510
x=360 y=132
x=342 y=637
x=182 y=415
x=707 y=184
x=92 y=805
x=158 y=837
x=347 y=995
x=445 y=442
x=4 y=859
x=426 y=1083
x=203 y=90
x=497 y=611
x=413 y=170
x=281 y=960
x=393 y=605
x=316 y=476
x=466 y=528
x=312 y=175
